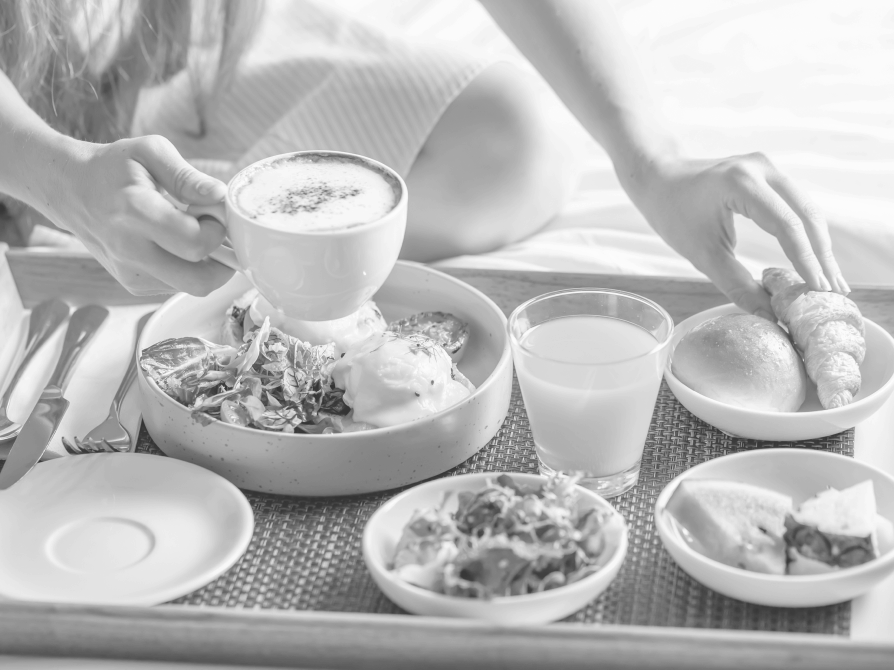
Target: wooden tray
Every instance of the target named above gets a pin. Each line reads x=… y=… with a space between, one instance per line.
x=311 y=639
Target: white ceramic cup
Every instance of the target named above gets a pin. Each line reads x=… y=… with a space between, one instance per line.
x=312 y=275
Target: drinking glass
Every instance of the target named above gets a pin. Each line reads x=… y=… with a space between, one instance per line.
x=589 y=362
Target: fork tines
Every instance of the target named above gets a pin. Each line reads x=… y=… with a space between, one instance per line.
x=87 y=446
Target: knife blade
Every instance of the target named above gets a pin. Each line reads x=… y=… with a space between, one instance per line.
x=40 y=427
x=44 y=320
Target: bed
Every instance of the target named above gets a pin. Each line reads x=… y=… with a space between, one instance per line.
x=808 y=82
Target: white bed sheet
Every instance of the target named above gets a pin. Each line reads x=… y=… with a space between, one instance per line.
x=808 y=82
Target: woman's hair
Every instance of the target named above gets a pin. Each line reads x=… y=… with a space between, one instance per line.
x=71 y=60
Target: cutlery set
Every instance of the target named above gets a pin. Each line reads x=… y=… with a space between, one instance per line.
x=32 y=437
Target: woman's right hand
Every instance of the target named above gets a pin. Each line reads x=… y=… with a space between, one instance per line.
x=113 y=201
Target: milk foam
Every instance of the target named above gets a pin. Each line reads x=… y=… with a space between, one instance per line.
x=315 y=194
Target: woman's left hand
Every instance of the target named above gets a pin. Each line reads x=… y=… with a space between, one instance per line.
x=691 y=202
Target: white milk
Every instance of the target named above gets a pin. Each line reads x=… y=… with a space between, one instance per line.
x=314 y=195
x=589 y=384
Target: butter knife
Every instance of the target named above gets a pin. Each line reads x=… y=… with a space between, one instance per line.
x=45 y=319
x=38 y=430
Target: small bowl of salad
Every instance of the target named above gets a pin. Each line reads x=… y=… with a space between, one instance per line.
x=506 y=548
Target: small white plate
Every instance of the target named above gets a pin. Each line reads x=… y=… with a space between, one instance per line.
x=383 y=531
x=801 y=474
x=118 y=529
x=811 y=421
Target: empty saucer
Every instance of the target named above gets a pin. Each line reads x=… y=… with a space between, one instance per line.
x=118 y=529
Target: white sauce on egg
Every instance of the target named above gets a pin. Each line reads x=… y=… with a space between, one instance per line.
x=391 y=379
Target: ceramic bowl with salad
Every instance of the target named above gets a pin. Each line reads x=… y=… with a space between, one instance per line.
x=514 y=549
x=257 y=407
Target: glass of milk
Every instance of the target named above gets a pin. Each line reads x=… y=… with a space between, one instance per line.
x=589 y=362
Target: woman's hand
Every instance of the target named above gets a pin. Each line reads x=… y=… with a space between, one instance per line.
x=579 y=48
x=112 y=199
x=691 y=202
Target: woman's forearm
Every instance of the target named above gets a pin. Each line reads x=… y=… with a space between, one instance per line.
x=579 y=48
x=34 y=158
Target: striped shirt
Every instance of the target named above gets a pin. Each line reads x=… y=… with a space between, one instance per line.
x=315 y=78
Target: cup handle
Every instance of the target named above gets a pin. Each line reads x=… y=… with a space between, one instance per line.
x=218 y=213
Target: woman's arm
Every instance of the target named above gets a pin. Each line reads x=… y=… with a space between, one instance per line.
x=579 y=48
x=109 y=196
x=27 y=146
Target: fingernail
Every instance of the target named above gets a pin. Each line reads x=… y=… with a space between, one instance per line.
x=843 y=285
x=764 y=314
x=205 y=187
x=824 y=283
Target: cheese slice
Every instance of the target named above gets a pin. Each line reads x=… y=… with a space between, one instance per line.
x=834 y=529
x=847 y=512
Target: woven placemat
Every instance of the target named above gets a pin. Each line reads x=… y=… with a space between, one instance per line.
x=306 y=554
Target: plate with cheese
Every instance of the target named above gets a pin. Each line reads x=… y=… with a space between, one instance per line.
x=781 y=527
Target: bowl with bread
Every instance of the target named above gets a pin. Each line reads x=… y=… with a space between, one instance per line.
x=781 y=527
x=823 y=368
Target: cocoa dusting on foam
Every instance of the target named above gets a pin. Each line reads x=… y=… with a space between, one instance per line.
x=315 y=194
x=309 y=198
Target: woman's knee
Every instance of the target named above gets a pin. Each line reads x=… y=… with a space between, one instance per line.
x=493 y=170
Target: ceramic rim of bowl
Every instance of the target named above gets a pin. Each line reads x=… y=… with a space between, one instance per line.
x=505 y=359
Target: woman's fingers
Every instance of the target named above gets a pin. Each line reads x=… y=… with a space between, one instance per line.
x=760 y=203
x=814 y=225
x=169 y=169
x=175 y=245
x=736 y=283
x=175 y=231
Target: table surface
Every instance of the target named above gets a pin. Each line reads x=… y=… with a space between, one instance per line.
x=312 y=639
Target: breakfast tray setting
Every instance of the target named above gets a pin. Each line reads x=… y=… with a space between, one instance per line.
x=306 y=552
x=301 y=596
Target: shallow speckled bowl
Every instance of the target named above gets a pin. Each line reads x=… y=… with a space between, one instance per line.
x=329 y=465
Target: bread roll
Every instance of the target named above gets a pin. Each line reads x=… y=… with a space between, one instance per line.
x=742 y=360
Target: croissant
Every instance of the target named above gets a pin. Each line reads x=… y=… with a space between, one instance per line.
x=827 y=329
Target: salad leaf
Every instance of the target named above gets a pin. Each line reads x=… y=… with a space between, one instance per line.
x=507 y=539
x=272 y=381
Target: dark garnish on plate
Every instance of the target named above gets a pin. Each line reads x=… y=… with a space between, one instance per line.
x=837 y=551
x=233 y=329
x=442 y=327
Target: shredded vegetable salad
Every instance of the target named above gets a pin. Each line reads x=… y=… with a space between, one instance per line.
x=506 y=539
x=272 y=382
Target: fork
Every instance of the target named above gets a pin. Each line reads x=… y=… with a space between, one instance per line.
x=78 y=447
x=111 y=435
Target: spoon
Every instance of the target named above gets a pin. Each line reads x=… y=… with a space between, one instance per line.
x=45 y=319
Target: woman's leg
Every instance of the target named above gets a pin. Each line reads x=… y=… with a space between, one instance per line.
x=493 y=170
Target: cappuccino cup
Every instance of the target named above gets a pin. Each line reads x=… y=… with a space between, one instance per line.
x=316 y=232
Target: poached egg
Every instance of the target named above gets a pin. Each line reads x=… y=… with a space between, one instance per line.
x=390 y=378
